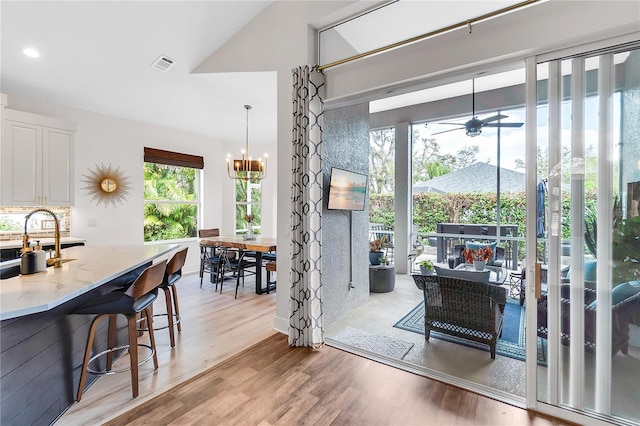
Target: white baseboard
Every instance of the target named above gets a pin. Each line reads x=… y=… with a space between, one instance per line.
x=281 y=325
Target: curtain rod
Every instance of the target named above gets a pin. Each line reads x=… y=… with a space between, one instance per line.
x=466 y=23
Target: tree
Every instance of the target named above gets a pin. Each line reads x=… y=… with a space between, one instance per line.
x=170 y=209
x=590 y=166
x=381 y=161
x=428 y=162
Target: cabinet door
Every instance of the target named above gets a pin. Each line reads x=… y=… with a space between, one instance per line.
x=57 y=167
x=22 y=164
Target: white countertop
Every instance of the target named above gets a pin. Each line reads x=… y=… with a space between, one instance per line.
x=92 y=267
x=43 y=241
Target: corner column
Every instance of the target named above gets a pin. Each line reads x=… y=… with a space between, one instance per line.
x=403 y=202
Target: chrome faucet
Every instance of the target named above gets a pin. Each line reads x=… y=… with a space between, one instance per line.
x=57 y=260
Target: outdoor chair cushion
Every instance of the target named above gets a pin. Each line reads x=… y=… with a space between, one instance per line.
x=621 y=292
x=590 y=269
x=477 y=276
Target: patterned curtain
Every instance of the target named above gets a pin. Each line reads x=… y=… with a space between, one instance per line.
x=305 y=305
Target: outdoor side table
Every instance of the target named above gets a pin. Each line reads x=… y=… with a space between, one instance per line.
x=382 y=279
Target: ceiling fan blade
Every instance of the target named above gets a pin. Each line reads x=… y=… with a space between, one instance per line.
x=494 y=118
x=454 y=124
x=445 y=131
x=503 y=125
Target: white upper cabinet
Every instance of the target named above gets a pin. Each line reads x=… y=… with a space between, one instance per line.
x=37 y=160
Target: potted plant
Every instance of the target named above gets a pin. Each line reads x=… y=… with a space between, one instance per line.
x=375 y=250
x=426 y=267
x=478 y=258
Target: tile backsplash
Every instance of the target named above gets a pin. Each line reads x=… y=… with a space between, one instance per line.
x=40 y=224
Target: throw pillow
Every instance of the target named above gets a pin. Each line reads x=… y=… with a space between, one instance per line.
x=590 y=270
x=476 y=246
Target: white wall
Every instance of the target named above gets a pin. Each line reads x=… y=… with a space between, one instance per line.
x=106 y=140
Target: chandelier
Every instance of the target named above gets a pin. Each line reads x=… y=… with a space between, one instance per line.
x=247 y=168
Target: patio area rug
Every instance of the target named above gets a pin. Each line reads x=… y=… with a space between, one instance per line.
x=511 y=344
x=383 y=345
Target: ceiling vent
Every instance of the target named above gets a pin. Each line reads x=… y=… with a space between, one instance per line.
x=163 y=63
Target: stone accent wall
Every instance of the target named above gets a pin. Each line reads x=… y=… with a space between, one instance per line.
x=345 y=234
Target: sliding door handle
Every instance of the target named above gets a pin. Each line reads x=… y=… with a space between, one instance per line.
x=538 y=280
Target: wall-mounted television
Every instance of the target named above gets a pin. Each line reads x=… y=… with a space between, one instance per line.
x=347 y=190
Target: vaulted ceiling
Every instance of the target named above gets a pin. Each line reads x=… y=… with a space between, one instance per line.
x=98 y=56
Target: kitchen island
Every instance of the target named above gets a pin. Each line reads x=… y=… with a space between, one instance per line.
x=42 y=342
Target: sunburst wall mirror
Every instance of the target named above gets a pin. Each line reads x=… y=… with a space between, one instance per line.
x=107 y=185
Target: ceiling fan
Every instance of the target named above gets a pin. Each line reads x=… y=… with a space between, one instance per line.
x=474 y=126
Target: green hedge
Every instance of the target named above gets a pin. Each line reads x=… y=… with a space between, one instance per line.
x=431 y=208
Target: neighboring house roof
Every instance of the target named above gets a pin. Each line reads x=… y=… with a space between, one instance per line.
x=478 y=177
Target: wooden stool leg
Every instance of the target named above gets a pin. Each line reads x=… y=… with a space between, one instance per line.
x=167 y=299
x=176 y=307
x=87 y=355
x=133 y=351
x=152 y=338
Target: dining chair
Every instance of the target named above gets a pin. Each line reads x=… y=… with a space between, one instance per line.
x=210 y=259
x=238 y=264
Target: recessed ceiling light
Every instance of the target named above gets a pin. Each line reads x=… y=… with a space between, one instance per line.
x=30 y=52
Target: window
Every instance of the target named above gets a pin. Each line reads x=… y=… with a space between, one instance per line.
x=171 y=199
x=248 y=198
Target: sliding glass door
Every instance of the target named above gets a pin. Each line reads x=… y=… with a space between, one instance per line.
x=583 y=237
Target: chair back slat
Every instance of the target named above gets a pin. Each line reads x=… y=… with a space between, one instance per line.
x=177 y=261
x=149 y=279
x=207 y=233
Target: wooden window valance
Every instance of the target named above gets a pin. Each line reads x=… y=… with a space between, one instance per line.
x=152 y=155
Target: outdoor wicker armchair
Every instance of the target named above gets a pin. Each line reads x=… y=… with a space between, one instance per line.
x=462 y=308
x=623 y=313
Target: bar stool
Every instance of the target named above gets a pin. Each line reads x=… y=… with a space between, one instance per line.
x=135 y=300
x=172 y=275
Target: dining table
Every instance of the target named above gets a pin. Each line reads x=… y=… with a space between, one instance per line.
x=260 y=245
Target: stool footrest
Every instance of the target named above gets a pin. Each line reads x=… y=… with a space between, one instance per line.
x=176 y=321
x=122 y=370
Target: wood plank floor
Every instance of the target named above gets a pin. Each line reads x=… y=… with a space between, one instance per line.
x=273 y=384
